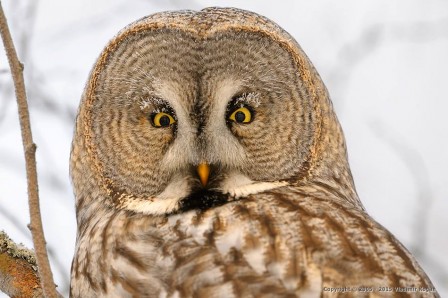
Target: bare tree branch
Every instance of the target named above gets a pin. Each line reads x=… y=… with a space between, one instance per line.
x=45 y=273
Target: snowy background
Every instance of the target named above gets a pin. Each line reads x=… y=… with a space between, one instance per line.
x=384 y=62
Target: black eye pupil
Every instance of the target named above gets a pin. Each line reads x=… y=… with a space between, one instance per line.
x=240 y=117
x=164 y=121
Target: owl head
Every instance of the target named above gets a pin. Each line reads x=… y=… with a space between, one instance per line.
x=189 y=109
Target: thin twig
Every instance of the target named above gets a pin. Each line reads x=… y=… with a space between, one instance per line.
x=37 y=232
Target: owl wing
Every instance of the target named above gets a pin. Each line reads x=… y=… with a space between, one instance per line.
x=289 y=244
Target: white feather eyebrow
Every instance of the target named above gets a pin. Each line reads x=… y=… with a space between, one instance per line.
x=251 y=98
x=147 y=102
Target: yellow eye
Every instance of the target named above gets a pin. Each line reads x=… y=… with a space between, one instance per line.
x=241 y=115
x=162 y=120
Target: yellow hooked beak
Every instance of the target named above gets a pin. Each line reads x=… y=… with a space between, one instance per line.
x=203 y=170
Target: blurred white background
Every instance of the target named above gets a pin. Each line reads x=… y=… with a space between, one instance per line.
x=384 y=62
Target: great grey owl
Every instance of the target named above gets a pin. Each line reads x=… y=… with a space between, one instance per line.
x=208 y=162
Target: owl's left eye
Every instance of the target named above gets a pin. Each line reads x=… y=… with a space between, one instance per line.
x=162 y=119
x=241 y=115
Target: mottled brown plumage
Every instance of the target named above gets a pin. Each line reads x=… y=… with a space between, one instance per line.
x=278 y=215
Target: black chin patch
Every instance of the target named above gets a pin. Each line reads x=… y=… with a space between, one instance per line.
x=202 y=199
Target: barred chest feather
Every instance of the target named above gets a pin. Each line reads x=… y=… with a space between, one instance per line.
x=278 y=244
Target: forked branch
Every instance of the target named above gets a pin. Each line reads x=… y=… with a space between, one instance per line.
x=45 y=273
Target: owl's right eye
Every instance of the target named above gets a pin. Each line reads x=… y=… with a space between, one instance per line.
x=162 y=119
